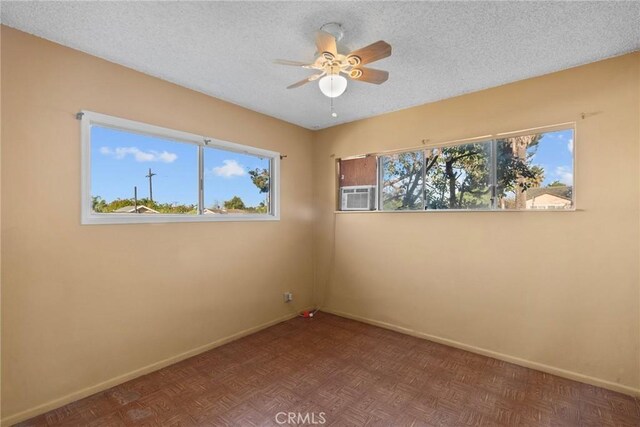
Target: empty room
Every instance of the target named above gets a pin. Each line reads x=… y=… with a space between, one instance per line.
x=307 y=213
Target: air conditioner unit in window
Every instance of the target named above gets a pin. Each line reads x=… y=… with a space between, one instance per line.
x=358 y=198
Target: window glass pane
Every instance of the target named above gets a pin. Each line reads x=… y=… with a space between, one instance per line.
x=235 y=183
x=458 y=177
x=402 y=181
x=164 y=172
x=535 y=171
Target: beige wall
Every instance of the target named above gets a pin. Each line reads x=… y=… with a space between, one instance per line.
x=82 y=305
x=0 y=228
x=555 y=290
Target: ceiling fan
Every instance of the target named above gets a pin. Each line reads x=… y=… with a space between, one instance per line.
x=331 y=64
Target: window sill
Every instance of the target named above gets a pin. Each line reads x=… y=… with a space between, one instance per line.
x=459 y=211
x=160 y=219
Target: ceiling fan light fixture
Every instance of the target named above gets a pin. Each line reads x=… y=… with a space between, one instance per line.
x=333 y=85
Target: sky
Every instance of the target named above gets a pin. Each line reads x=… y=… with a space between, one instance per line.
x=555 y=155
x=120 y=160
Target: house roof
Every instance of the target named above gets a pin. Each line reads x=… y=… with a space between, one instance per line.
x=132 y=209
x=564 y=192
x=223 y=211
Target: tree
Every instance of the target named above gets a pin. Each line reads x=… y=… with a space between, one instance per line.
x=557 y=183
x=458 y=177
x=98 y=204
x=234 y=203
x=515 y=172
x=403 y=181
x=260 y=178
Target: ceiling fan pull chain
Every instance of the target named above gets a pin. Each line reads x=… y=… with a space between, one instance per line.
x=333 y=113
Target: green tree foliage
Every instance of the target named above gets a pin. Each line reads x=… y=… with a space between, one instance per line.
x=261 y=208
x=403 y=181
x=515 y=173
x=557 y=184
x=458 y=177
x=235 y=203
x=98 y=204
x=101 y=206
x=260 y=178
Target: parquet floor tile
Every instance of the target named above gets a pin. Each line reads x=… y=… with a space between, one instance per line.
x=355 y=375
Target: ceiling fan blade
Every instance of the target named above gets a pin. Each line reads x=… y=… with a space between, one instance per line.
x=292 y=63
x=374 y=52
x=305 y=81
x=316 y=76
x=369 y=75
x=325 y=42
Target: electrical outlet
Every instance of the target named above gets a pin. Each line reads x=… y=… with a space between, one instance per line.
x=288 y=297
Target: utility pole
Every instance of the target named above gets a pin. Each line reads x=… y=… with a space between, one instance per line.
x=135 y=199
x=150 y=176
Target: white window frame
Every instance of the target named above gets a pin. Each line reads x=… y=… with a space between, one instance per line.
x=88 y=216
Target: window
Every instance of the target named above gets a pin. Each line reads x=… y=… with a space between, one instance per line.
x=133 y=173
x=402 y=181
x=535 y=171
x=458 y=177
x=250 y=176
x=358 y=180
x=519 y=171
x=136 y=173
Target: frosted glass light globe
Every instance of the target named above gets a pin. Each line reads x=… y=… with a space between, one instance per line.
x=333 y=85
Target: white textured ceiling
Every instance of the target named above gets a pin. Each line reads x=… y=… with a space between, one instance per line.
x=440 y=49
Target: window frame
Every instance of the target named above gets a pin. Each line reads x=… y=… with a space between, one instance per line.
x=89 y=217
x=492 y=138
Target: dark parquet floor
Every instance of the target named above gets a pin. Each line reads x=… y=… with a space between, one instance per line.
x=345 y=373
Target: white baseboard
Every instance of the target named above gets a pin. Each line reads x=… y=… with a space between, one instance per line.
x=500 y=356
x=96 y=388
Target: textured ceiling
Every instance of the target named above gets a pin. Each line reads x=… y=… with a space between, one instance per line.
x=440 y=49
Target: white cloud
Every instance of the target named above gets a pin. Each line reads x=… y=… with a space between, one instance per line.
x=565 y=175
x=139 y=155
x=570 y=145
x=230 y=169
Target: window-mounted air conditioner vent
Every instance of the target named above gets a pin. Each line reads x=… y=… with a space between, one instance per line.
x=358 y=198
